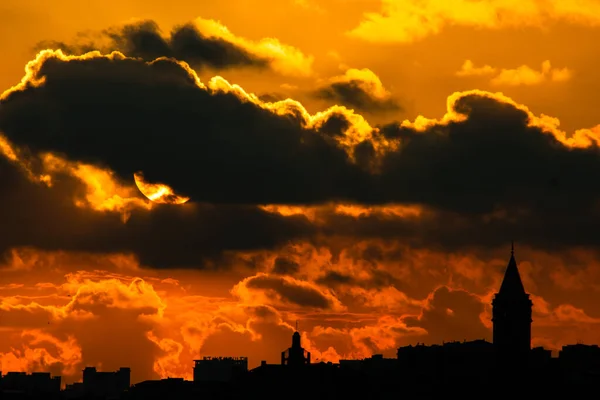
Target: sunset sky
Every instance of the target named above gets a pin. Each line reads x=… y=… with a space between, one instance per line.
x=186 y=178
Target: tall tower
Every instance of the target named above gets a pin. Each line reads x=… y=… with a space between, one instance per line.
x=511 y=317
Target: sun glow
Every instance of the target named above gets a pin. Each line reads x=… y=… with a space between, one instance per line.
x=158 y=192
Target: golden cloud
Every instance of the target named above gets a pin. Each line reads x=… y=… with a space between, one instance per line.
x=522 y=75
x=284 y=59
x=409 y=20
x=582 y=138
x=104 y=192
x=370 y=82
x=40 y=350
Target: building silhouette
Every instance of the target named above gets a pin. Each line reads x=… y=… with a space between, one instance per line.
x=449 y=360
x=376 y=363
x=580 y=364
x=105 y=384
x=296 y=355
x=26 y=385
x=511 y=318
x=219 y=369
x=169 y=388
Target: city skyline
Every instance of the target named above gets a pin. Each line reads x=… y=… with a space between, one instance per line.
x=509 y=360
x=195 y=179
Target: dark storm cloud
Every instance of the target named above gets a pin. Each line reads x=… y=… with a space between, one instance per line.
x=490 y=159
x=272 y=97
x=336 y=125
x=285 y=266
x=484 y=181
x=185 y=42
x=377 y=279
x=353 y=94
x=451 y=315
x=290 y=292
x=212 y=146
x=192 y=235
x=447 y=231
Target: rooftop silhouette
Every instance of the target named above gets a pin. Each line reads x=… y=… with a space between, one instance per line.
x=470 y=368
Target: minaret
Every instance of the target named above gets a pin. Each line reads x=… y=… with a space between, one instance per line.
x=511 y=310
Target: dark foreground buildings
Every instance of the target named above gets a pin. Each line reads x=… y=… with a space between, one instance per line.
x=507 y=367
x=35 y=385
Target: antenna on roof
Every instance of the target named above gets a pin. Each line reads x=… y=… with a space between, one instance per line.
x=512 y=247
x=296 y=325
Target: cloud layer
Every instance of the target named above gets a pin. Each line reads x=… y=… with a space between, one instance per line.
x=522 y=75
x=360 y=89
x=489 y=166
x=403 y=21
x=203 y=43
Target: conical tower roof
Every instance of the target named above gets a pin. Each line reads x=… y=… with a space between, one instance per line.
x=512 y=284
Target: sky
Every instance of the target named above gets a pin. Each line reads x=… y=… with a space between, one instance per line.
x=184 y=179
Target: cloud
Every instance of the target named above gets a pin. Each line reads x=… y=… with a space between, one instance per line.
x=523 y=75
x=87 y=308
x=385 y=334
x=406 y=21
x=284 y=290
x=113 y=293
x=452 y=315
x=42 y=352
x=169 y=363
x=47 y=218
x=275 y=173
x=469 y=69
x=201 y=43
x=284 y=266
x=170 y=84
x=361 y=89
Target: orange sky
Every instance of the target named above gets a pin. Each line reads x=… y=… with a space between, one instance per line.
x=215 y=172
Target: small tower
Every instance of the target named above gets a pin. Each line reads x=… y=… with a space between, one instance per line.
x=295 y=355
x=511 y=310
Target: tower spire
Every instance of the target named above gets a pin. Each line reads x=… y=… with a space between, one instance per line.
x=296 y=325
x=512 y=284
